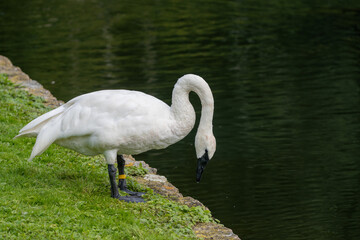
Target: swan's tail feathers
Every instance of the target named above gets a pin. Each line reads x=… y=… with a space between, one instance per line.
x=44 y=139
x=33 y=128
x=32 y=133
x=44 y=129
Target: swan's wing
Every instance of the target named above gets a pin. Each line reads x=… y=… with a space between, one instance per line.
x=102 y=118
x=102 y=111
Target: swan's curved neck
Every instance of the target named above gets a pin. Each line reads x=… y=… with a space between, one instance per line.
x=183 y=110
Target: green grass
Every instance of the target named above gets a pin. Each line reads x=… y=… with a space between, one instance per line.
x=64 y=195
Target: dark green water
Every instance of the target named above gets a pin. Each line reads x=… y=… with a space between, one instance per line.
x=285 y=77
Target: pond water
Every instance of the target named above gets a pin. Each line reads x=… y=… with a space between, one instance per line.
x=285 y=77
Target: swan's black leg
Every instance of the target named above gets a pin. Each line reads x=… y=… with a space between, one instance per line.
x=122 y=180
x=112 y=175
x=114 y=189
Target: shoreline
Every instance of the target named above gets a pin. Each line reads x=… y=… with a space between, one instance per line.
x=156 y=182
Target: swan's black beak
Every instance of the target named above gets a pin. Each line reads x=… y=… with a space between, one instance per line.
x=201 y=164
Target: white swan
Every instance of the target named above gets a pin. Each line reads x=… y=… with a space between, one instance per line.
x=115 y=122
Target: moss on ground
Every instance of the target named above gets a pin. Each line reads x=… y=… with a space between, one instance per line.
x=64 y=195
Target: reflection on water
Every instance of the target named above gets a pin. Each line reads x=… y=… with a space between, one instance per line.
x=285 y=77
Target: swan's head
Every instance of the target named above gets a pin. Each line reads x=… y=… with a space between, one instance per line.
x=205 y=145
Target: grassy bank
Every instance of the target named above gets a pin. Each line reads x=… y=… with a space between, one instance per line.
x=64 y=195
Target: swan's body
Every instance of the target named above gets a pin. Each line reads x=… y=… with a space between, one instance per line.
x=130 y=122
x=112 y=122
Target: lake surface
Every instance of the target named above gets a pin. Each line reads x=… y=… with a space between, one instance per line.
x=285 y=77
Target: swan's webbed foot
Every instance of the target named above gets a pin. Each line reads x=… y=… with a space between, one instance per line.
x=122 y=186
x=133 y=199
